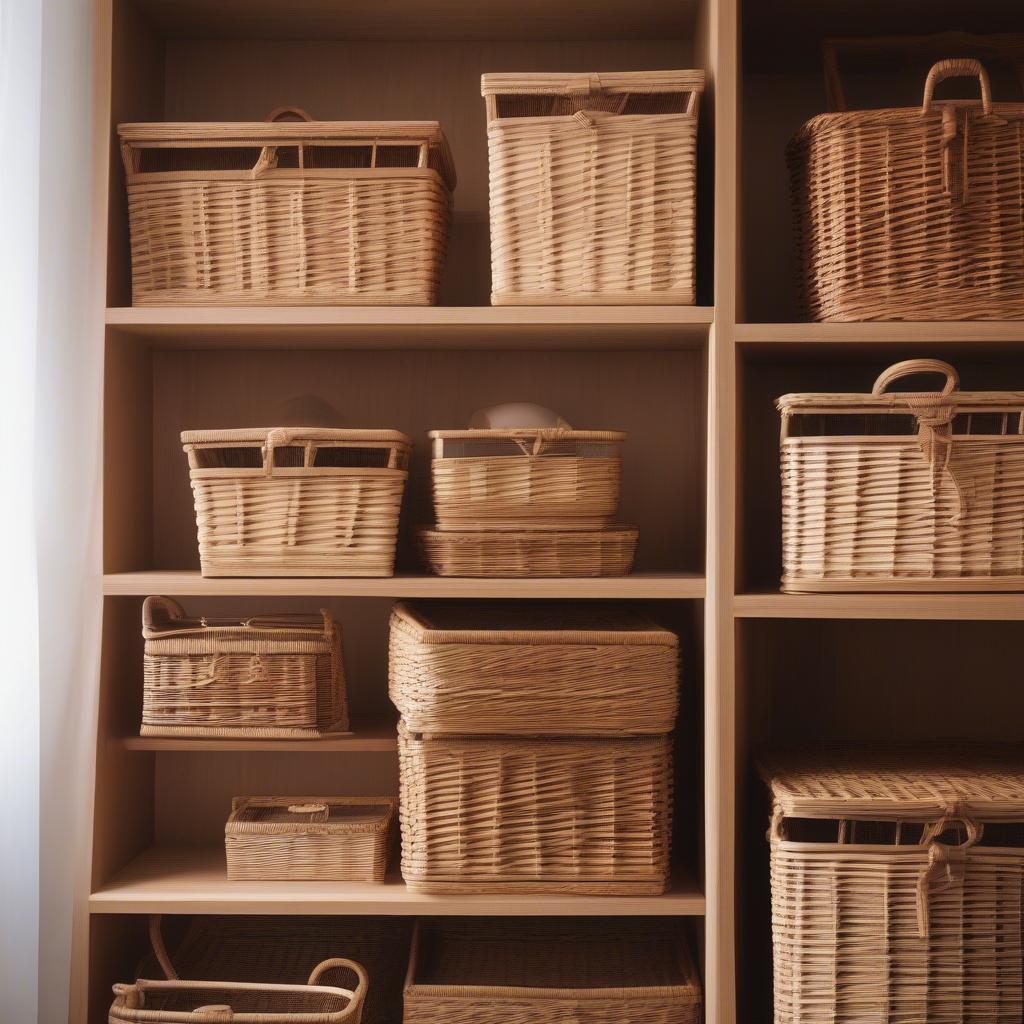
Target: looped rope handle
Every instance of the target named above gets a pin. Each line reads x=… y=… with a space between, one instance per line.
x=910 y=367
x=946 y=863
x=268 y=154
x=957 y=67
x=362 y=983
x=287 y=114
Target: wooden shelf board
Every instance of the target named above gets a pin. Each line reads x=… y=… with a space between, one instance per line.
x=187 y=880
x=889 y=332
x=879 y=606
x=371 y=735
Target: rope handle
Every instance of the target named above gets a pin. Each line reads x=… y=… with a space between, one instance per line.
x=317 y=811
x=287 y=114
x=268 y=154
x=156 y=940
x=156 y=609
x=957 y=67
x=910 y=367
x=358 y=995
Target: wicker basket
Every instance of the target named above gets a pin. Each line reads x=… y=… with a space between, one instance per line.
x=897 y=888
x=592 y=186
x=518 y=815
x=559 y=971
x=914 y=213
x=267 y=677
x=526 y=479
x=297 y=501
x=309 y=838
x=903 y=491
x=308 y=212
x=508 y=669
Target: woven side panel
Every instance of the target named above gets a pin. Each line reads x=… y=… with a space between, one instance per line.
x=307 y=856
x=507 y=1010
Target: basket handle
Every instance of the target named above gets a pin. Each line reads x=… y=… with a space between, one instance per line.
x=316 y=811
x=909 y=367
x=957 y=67
x=268 y=154
x=156 y=609
x=287 y=114
x=355 y=1008
x=215 y=1011
x=156 y=940
x=279 y=437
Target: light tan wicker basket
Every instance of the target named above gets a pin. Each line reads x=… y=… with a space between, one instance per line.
x=265 y=677
x=297 y=501
x=592 y=186
x=508 y=669
x=309 y=838
x=550 y=971
x=547 y=478
x=903 y=490
x=306 y=212
x=914 y=213
x=897 y=887
x=519 y=815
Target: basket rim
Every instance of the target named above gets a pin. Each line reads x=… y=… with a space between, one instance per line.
x=241 y=435
x=544 y=82
x=237 y=824
x=545 y=433
x=898 y=402
x=660 y=743
x=620 y=531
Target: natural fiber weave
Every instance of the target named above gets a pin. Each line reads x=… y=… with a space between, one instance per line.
x=897 y=884
x=303 y=213
x=915 y=213
x=309 y=838
x=272 y=676
x=903 y=491
x=535 y=554
x=526 y=479
x=592 y=186
x=297 y=501
x=508 y=669
x=551 y=971
x=497 y=815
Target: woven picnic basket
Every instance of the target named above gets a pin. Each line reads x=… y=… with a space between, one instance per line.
x=550 y=971
x=914 y=213
x=592 y=186
x=541 y=478
x=504 y=669
x=309 y=838
x=269 y=676
x=297 y=501
x=897 y=887
x=894 y=491
x=484 y=814
x=287 y=212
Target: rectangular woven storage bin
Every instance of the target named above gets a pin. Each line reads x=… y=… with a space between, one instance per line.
x=326 y=839
x=550 y=971
x=903 y=490
x=269 y=677
x=897 y=888
x=297 y=501
x=287 y=212
x=504 y=815
x=914 y=213
x=508 y=669
x=526 y=479
x=592 y=186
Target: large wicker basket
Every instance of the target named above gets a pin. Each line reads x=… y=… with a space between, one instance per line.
x=508 y=669
x=592 y=186
x=551 y=971
x=914 y=213
x=903 y=491
x=310 y=212
x=519 y=815
x=297 y=501
x=266 y=677
x=897 y=888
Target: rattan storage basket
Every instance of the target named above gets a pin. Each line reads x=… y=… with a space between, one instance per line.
x=547 y=478
x=592 y=186
x=508 y=669
x=521 y=815
x=903 y=490
x=897 y=888
x=297 y=501
x=913 y=213
x=306 y=212
x=551 y=971
x=309 y=838
x=265 y=677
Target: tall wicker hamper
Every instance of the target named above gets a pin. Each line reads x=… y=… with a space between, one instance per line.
x=297 y=501
x=306 y=212
x=592 y=186
x=550 y=971
x=269 y=677
x=897 y=888
x=894 y=491
x=913 y=213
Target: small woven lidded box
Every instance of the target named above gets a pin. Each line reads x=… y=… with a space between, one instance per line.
x=551 y=971
x=897 y=881
x=592 y=186
x=330 y=839
x=287 y=211
x=297 y=501
x=893 y=491
x=269 y=676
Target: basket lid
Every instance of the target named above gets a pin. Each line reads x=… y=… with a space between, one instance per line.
x=546 y=83
x=163 y=618
x=328 y=815
x=292 y=436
